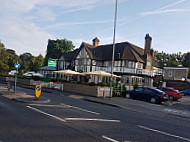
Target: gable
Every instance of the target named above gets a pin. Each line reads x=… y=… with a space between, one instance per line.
x=82 y=53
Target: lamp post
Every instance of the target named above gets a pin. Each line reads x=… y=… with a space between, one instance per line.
x=113 y=51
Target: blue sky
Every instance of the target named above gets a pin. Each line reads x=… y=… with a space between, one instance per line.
x=26 y=25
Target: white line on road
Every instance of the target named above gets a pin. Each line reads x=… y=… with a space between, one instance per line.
x=81 y=109
x=65 y=106
x=164 y=133
x=48 y=105
x=89 y=119
x=35 y=109
x=110 y=139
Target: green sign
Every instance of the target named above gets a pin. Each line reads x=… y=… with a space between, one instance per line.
x=149 y=63
x=52 y=62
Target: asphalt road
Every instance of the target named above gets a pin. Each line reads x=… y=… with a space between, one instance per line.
x=70 y=119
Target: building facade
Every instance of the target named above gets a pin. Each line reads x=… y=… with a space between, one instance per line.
x=132 y=63
x=175 y=73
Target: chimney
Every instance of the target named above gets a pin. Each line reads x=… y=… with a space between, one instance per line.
x=95 y=42
x=148 y=40
x=152 y=52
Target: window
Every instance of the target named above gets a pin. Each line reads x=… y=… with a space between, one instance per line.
x=148 y=91
x=129 y=64
x=170 y=73
x=139 y=89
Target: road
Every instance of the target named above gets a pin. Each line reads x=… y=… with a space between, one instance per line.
x=71 y=119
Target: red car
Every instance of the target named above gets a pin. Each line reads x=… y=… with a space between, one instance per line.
x=172 y=93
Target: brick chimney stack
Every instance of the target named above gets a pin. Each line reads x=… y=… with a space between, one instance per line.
x=95 y=42
x=148 y=41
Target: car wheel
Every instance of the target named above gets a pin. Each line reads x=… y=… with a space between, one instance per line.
x=170 y=98
x=128 y=96
x=182 y=94
x=153 y=100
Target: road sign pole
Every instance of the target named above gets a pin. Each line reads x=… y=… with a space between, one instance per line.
x=17 y=66
x=15 y=80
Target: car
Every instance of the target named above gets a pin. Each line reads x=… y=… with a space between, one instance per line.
x=147 y=94
x=185 y=92
x=29 y=74
x=12 y=72
x=33 y=74
x=172 y=93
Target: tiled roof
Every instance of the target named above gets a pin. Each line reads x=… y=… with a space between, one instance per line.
x=123 y=50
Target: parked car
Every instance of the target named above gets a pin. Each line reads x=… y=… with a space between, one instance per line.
x=172 y=93
x=12 y=72
x=185 y=92
x=147 y=94
x=33 y=74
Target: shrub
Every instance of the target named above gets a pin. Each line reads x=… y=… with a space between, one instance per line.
x=135 y=86
x=124 y=87
x=91 y=84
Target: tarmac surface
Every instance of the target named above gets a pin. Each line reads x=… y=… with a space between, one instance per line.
x=179 y=108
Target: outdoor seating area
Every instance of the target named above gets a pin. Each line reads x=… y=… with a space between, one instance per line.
x=94 y=76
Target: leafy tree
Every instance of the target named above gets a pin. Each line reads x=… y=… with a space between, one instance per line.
x=172 y=60
x=55 y=47
x=26 y=58
x=186 y=62
x=36 y=63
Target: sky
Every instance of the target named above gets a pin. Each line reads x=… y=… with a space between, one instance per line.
x=26 y=25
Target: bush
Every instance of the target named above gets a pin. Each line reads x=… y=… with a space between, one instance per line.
x=135 y=86
x=124 y=87
x=91 y=84
x=103 y=84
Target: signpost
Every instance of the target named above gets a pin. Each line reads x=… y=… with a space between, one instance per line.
x=17 y=66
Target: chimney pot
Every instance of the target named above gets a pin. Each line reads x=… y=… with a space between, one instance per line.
x=95 y=42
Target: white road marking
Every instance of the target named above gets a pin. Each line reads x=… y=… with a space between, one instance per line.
x=43 y=105
x=65 y=106
x=164 y=133
x=89 y=119
x=81 y=109
x=35 y=109
x=110 y=139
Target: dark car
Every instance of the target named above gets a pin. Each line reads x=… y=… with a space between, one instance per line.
x=147 y=94
x=185 y=92
x=172 y=93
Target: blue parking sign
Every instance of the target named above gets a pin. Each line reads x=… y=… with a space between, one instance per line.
x=17 y=65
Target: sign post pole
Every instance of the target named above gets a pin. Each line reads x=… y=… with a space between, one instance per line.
x=17 y=66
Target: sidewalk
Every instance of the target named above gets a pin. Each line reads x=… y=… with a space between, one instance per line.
x=21 y=96
x=135 y=105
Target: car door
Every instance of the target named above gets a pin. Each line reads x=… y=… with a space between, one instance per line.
x=148 y=93
x=138 y=93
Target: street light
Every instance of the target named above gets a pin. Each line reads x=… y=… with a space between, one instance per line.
x=113 y=51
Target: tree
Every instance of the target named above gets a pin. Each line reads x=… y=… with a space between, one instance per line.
x=56 y=47
x=26 y=58
x=36 y=63
x=170 y=60
x=186 y=62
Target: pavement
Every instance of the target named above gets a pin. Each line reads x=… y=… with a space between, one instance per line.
x=21 y=96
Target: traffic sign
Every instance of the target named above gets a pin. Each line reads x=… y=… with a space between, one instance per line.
x=17 y=65
x=38 y=91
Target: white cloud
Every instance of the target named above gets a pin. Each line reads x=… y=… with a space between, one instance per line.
x=164 y=9
x=23 y=37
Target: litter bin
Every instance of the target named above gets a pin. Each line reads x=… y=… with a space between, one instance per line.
x=9 y=85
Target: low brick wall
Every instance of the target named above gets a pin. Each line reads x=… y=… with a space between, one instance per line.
x=96 y=91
